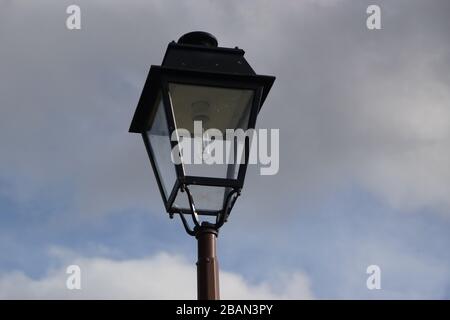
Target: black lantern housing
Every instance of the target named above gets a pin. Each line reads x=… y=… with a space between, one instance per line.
x=198 y=81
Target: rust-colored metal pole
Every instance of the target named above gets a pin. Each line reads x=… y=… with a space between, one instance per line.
x=207 y=264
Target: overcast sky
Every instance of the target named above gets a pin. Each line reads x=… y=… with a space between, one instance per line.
x=364 y=119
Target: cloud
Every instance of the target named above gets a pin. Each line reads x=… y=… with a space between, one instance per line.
x=357 y=107
x=353 y=106
x=357 y=110
x=162 y=276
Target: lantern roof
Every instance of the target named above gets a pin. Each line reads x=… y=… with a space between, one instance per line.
x=196 y=55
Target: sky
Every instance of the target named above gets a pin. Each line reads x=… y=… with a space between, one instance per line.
x=364 y=179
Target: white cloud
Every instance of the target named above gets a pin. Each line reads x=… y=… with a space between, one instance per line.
x=162 y=276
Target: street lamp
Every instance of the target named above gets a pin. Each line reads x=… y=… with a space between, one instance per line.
x=200 y=83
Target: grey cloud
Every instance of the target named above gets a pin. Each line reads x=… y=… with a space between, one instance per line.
x=353 y=106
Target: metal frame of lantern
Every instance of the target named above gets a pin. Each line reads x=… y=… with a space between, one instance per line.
x=207 y=66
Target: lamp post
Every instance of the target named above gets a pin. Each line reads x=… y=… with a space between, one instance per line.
x=200 y=83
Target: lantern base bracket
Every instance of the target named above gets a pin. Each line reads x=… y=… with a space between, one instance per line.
x=221 y=218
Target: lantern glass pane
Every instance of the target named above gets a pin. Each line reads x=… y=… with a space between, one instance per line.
x=206 y=198
x=211 y=124
x=159 y=138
